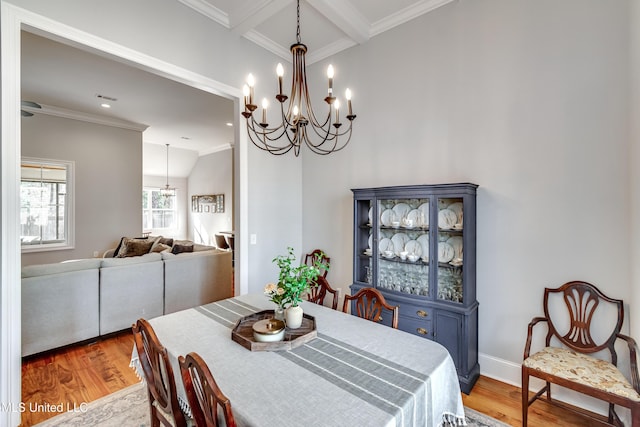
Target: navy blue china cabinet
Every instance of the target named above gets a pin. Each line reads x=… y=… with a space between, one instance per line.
x=417 y=245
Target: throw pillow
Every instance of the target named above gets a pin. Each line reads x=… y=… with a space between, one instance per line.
x=117 y=251
x=178 y=249
x=134 y=247
x=166 y=241
x=160 y=247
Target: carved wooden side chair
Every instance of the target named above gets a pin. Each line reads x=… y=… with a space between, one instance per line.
x=319 y=255
x=203 y=394
x=572 y=361
x=318 y=292
x=369 y=304
x=158 y=374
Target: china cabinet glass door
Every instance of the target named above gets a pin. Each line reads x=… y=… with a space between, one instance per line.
x=403 y=246
x=450 y=249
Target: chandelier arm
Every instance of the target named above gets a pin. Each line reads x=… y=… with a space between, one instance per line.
x=331 y=137
x=271 y=149
x=318 y=150
x=265 y=134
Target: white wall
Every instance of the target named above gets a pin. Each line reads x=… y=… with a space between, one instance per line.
x=108 y=180
x=528 y=99
x=212 y=174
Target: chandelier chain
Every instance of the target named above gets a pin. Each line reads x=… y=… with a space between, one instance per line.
x=298 y=28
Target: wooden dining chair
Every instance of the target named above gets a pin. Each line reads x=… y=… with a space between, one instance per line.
x=572 y=360
x=158 y=374
x=369 y=304
x=318 y=291
x=318 y=255
x=203 y=394
x=221 y=242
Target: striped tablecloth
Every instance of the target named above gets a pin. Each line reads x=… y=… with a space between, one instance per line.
x=355 y=373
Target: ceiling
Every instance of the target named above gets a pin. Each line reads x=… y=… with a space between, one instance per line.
x=326 y=26
x=67 y=80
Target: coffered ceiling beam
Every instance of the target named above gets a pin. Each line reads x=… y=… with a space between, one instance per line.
x=242 y=20
x=344 y=16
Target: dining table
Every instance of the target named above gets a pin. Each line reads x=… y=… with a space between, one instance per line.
x=354 y=372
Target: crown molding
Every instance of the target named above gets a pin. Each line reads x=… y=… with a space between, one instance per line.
x=405 y=15
x=344 y=16
x=51 y=110
x=242 y=20
x=268 y=44
x=328 y=50
x=209 y=11
x=216 y=149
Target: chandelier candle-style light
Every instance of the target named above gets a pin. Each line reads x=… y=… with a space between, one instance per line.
x=298 y=123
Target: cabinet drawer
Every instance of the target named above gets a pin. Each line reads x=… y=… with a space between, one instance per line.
x=420 y=327
x=416 y=311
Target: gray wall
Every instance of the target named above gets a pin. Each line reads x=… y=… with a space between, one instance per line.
x=528 y=99
x=212 y=174
x=108 y=180
x=634 y=162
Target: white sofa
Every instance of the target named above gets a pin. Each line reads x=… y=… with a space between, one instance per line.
x=73 y=301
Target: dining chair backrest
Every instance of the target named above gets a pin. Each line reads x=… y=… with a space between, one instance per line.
x=221 y=242
x=158 y=374
x=370 y=304
x=203 y=394
x=318 y=291
x=318 y=255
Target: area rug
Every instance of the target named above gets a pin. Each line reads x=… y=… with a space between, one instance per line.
x=129 y=408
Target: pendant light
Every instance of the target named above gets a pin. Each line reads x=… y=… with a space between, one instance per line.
x=168 y=191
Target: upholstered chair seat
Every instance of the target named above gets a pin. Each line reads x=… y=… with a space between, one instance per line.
x=583 y=369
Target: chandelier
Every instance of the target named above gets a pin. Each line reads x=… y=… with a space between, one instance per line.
x=298 y=123
x=168 y=191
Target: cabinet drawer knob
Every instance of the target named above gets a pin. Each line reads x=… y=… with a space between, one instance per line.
x=422 y=331
x=422 y=313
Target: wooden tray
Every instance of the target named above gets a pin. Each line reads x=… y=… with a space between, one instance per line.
x=242 y=333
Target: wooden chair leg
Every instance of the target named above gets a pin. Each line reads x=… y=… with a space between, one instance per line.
x=635 y=416
x=525 y=396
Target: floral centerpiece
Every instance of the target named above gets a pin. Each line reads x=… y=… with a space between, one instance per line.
x=276 y=294
x=294 y=281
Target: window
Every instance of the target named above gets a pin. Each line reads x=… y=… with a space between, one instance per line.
x=46 y=205
x=158 y=211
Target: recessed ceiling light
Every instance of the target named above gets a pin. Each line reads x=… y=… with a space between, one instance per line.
x=229 y=124
x=105 y=105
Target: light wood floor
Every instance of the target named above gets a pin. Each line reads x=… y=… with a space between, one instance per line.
x=84 y=373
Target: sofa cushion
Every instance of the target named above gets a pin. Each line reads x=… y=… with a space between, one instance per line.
x=60 y=267
x=116 y=262
x=134 y=247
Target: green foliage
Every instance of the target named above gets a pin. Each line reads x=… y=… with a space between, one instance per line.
x=296 y=278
